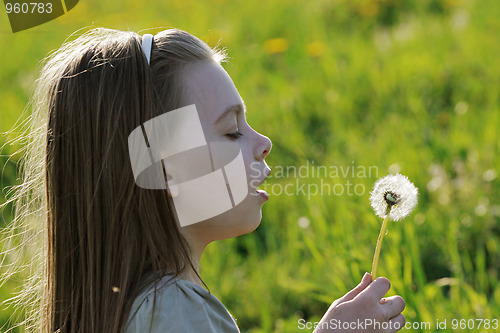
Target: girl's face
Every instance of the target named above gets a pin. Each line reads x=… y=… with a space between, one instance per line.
x=222 y=116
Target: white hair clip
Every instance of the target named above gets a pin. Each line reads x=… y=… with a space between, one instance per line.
x=147 y=44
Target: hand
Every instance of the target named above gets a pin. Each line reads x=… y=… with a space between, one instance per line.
x=364 y=310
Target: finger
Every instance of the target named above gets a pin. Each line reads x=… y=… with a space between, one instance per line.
x=397 y=323
x=365 y=281
x=393 y=306
x=377 y=289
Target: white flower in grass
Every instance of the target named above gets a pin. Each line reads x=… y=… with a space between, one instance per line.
x=394 y=194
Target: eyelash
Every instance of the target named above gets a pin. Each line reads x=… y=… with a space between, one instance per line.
x=235 y=135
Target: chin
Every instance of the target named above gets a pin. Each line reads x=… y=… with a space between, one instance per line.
x=249 y=213
x=250 y=224
x=240 y=220
x=243 y=219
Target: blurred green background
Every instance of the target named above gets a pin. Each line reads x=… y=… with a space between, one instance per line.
x=409 y=86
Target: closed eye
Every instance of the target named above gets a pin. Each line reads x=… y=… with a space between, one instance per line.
x=234 y=136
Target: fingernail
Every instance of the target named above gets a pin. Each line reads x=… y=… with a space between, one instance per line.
x=366 y=275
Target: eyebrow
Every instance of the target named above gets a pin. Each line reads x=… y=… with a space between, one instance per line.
x=236 y=108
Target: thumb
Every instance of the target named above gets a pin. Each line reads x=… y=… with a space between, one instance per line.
x=365 y=281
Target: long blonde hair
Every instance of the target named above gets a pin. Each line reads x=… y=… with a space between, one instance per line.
x=91 y=233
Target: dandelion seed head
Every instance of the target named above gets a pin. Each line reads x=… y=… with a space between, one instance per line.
x=303 y=222
x=489 y=175
x=481 y=210
x=395 y=192
x=394 y=168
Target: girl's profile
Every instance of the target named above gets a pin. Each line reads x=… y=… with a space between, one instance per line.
x=112 y=256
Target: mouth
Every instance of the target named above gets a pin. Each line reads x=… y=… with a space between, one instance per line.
x=262 y=192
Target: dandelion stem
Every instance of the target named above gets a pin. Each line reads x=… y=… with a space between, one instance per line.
x=379 y=244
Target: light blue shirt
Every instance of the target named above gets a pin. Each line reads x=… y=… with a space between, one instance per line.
x=181 y=307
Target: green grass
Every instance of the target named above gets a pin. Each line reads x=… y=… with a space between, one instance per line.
x=406 y=83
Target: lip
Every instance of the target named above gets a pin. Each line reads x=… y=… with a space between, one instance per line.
x=263 y=194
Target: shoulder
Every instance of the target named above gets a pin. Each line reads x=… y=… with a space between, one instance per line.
x=178 y=306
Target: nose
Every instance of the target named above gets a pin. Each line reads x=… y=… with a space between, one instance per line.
x=263 y=147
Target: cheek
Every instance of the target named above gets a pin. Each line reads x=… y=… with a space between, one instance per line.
x=248 y=159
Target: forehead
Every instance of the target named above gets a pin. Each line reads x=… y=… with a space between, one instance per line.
x=207 y=84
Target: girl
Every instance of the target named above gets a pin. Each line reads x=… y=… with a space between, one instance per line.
x=115 y=256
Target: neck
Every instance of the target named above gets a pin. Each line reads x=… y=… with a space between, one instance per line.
x=197 y=247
